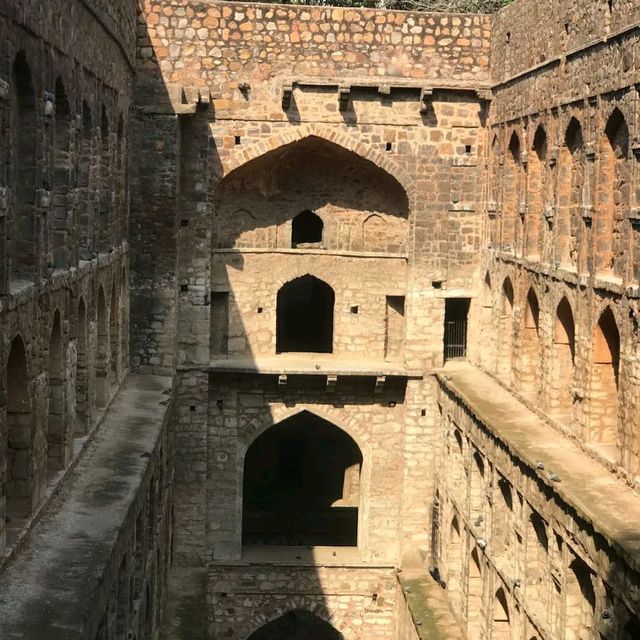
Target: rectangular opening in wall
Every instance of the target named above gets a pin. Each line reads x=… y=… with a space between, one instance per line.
x=394 y=327
x=219 y=340
x=455 y=328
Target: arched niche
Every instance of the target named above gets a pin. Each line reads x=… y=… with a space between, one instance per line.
x=562 y=366
x=301 y=485
x=315 y=175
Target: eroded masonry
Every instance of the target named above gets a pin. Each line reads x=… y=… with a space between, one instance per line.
x=319 y=322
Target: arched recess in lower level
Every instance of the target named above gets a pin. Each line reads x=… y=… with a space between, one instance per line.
x=298 y=624
x=302 y=485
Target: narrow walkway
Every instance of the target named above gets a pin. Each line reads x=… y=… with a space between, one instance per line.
x=597 y=495
x=49 y=589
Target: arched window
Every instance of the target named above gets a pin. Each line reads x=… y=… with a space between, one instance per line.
x=603 y=407
x=536 y=199
x=62 y=180
x=613 y=196
x=502 y=509
x=304 y=316
x=477 y=494
x=530 y=346
x=562 y=369
x=20 y=490
x=85 y=201
x=297 y=625
x=501 y=629
x=505 y=333
x=306 y=229
x=56 y=422
x=102 y=357
x=302 y=485
x=82 y=374
x=23 y=234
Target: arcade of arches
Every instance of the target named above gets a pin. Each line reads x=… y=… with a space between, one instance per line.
x=319 y=322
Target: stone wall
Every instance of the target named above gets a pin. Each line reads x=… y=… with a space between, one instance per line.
x=358 y=602
x=66 y=89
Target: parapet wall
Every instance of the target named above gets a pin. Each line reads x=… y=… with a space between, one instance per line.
x=217 y=45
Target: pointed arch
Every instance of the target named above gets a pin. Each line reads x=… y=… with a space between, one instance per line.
x=603 y=405
x=21 y=491
x=85 y=199
x=454 y=564
x=580 y=599
x=62 y=179
x=571 y=249
x=486 y=339
x=25 y=124
x=114 y=333
x=102 y=352
x=56 y=431
x=82 y=371
x=475 y=588
x=506 y=330
x=537 y=556
x=536 y=169
x=501 y=627
x=304 y=316
x=477 y=488
x=501 y=515
x=328 y=134
x=511 y=196
x=106 y=186
x=613 y=196
x=374 y=233
x=562 y=365
x=297 y=624
x=306 y=228
x=301 y=484
x=530 y=351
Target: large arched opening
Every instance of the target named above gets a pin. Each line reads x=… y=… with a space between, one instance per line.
x=505 y=333
x=304 y=316
x=536 y=182
x=298 y=624
x=62 y=180
x=302 y=485
x=511 y=224
x=102 y=353
x=82 y=372
x=530 y=346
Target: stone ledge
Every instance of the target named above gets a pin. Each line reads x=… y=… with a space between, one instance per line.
x=599 y=498
x=49 y=590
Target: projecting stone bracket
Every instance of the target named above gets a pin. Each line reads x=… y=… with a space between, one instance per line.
x=287 y=94
x=380 y=382
x=332 y=381
x=4 y=201
x=522 y=209
x=552 y=155
x=590 y=150
x=426 y=95
x=4 y=89
x=344 y=91
x=634 y=217
x=282 y=380
x=549 y=212
x=587 y=214
x=635 y=146
x=493 y=210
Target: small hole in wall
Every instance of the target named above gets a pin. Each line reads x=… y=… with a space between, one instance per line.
x=260 y=309
x=192 y=407
x=610 y=4
x=238 y=140
x=508 y=36
x=184 y=287
x=388 y=146
x=423 y=412
x=467 y=149
x=437 y=284
x=566 y=28
x=184 y=223
x=355 y=309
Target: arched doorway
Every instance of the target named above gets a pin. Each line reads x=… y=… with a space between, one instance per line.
x=304 y=316
x=302 y=485
x=306 y=230
x=297 y=625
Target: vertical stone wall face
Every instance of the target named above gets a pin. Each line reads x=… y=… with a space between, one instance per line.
x=66 y=89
